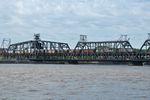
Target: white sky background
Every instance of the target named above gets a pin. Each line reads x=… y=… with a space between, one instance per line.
x=65 y=20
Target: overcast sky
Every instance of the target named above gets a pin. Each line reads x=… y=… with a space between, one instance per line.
x=65 y=20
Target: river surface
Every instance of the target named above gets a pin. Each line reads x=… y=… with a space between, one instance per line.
x=74 y=82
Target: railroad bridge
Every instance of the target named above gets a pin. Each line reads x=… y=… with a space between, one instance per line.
x=103 y=51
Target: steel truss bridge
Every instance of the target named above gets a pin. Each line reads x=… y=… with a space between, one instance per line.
x=104 y=51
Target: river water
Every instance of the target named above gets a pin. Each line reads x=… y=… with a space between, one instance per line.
x=74 y=82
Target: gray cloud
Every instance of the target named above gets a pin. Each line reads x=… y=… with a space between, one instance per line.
x=65 y=20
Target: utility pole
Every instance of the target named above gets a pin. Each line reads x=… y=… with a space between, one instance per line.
x=5 y=43
x=148 y=36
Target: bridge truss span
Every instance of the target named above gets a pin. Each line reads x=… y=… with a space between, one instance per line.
x=38 y=46
x=105 y=46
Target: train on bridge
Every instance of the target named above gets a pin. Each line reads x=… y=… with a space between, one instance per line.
x=101 y=51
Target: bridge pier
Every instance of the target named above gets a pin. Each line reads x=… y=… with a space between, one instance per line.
x=73 y=62
x=136 y=63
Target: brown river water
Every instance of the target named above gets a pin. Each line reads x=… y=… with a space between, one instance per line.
x=74 y=82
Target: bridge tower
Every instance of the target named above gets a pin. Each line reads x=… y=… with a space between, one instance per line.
x=83 y=38
x=37 y=37
x=124 y=38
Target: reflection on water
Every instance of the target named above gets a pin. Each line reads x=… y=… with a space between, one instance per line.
x=74 y=82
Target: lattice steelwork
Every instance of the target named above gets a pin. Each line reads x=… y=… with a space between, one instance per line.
x=145 y=47
x=106 y=46
x=38 y=46
x=114 y=51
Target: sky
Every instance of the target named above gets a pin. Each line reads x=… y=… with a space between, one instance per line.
x=65 y=20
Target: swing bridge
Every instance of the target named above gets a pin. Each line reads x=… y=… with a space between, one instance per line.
x=85 y=51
